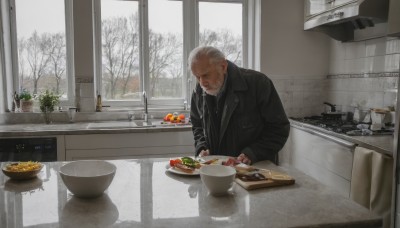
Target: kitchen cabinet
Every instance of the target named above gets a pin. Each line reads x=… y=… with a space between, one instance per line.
x=313 y=7
x=323 y=157
x=127 y=146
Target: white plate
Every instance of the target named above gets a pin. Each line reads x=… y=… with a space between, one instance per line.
x=177 y=171
x=219 y=157
x=197 y=171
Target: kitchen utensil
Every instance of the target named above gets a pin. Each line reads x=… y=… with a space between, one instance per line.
x=274 y=178
x=377 y=117
x=87 y=178
x=217 y=178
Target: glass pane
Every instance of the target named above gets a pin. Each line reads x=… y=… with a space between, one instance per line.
x=41 y=45
x=165 y=48
x=223 y=32
x=120 y=50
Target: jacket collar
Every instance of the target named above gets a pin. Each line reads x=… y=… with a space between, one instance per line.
x=237 y=81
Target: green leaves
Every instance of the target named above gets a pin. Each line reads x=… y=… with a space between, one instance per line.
x=47 y=101
x=25 y=95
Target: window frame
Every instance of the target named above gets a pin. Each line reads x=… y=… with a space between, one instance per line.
x=190 y=9
x=13 y=65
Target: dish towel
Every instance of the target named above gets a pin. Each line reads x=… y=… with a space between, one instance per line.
x=371 y=182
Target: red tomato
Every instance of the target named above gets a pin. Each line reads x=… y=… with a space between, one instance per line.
x=172 y=162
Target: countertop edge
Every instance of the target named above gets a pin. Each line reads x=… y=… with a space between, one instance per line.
x=359 y=140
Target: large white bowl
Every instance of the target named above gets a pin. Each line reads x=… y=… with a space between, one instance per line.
x=217 y=178
x=89 y=178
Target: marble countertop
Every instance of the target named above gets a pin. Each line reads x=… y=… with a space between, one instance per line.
x=144 y=194
x=380 y=143
x=79 y=128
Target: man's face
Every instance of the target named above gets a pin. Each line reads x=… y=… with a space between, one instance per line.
x=209 y=75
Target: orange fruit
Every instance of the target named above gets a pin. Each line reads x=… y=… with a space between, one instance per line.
x=181 y=117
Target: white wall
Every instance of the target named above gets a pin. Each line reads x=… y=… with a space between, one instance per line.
x=296 y=60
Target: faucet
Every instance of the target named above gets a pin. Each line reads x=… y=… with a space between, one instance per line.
x=333 y=107
x=146 y=113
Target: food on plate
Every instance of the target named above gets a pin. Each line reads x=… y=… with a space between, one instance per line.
x=184 y=168
x=185 y=164
x=211 y=161
x=23 y=166
x=231 y=162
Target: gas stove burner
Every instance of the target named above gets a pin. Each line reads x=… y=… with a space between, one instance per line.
x=331 y=124
x=340 y=126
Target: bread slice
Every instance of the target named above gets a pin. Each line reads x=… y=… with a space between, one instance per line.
x=184 y=168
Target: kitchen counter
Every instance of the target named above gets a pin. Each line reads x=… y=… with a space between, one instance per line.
x=144 y=194
x=380 y=143
x=80 y=128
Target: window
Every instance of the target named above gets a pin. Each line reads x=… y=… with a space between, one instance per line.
x=144 y=47
x=223 y=32
x=40 y=46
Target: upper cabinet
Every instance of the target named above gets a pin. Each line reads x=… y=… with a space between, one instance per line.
x=340 y=19
x=394 y=18
x=314 y=7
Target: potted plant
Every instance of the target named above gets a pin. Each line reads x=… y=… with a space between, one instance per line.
x=47 y=101
x=26 y=101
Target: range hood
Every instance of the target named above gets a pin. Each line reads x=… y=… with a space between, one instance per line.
x=341 y=21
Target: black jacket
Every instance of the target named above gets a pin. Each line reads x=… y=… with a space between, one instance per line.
x=253 y=120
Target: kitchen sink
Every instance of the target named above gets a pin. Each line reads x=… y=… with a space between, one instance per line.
x=117 y=124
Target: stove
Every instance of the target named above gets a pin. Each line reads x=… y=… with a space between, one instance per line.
x=340 y=126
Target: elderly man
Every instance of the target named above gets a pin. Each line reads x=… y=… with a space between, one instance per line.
x=234 y=111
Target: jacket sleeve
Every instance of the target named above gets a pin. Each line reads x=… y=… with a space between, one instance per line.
x=196 y=117
x=276 y=124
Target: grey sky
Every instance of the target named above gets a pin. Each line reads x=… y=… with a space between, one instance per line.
x=34 y=14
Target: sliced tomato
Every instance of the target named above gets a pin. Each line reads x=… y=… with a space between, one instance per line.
x=172 y=162
x=231 y=162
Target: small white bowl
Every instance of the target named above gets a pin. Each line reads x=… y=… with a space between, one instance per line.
x=217 y=178
x=87 y=179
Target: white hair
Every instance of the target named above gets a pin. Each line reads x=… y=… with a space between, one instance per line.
x=212 y=53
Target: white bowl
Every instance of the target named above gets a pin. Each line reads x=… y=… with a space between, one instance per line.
x=217 y=178
x=89 y=178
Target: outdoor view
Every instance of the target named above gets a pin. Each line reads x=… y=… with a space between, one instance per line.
x=42 y=45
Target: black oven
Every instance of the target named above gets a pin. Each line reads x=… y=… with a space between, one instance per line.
x=28 y=149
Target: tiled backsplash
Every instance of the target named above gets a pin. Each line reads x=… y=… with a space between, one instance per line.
x=301 y=97
x=364 y=73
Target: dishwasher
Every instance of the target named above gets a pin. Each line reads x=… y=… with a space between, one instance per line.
x=43 y=149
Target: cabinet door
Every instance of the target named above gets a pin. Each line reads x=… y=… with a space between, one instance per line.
x=134 y=145
x=325 y=160
x=313 y=7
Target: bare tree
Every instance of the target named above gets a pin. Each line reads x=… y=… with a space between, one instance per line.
x=120 y=51
x=224 y=40
x=57 y=54
x=163 y=49
x=37 y=57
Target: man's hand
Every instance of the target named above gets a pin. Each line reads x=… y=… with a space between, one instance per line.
x=244 y=159
x=204 y=153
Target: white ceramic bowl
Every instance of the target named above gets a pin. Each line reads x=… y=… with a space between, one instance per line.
x=217 y=178
x=89 y=178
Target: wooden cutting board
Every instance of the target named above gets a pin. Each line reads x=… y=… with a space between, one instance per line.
x=274 y=179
